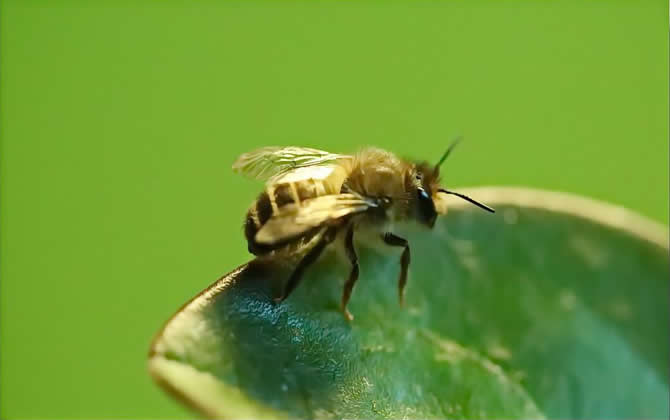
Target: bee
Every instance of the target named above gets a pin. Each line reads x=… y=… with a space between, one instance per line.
x=313 y=195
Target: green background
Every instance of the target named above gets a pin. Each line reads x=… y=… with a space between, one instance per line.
x=120 y=120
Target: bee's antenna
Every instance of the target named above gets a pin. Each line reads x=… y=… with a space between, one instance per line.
x=466 y=198
x=448 y=152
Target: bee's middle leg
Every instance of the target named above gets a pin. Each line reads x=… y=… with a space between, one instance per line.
x=394 y=240
x=311 y=256
x=353 y=276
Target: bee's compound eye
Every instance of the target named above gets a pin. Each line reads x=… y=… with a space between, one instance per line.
x=426 y=208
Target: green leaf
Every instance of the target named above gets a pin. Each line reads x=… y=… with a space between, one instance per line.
x=556 y=306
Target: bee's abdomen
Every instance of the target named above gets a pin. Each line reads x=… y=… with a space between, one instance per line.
x=258 y=214
x=261 y=211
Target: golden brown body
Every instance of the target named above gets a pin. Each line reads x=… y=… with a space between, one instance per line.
x=371 y=173
x=311 y=194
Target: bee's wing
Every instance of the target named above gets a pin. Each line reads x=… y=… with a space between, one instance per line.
x=293 y=220
x=272 y=162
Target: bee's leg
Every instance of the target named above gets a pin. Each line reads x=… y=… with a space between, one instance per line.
x=394 y=240
x=311 y=256
x=353 y=276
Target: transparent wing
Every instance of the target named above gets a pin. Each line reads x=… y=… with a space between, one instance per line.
x=269 y=162
x=293 y=220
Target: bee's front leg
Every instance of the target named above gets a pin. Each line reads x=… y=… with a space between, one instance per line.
x=394 y=240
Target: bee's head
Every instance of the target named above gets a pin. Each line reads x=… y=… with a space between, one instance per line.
x=430 y=197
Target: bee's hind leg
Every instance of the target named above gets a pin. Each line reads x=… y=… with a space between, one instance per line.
x=394 y=240
x=309 y=258
x=353 y=276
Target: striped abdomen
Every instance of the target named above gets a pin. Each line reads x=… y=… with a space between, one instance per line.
x=264 y=207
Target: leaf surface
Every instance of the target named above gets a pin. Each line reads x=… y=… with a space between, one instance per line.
x=556 y=306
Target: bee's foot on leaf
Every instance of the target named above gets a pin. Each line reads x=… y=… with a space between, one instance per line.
x=347 y=315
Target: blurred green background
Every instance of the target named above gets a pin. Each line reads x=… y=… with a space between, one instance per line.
x=120 y=120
